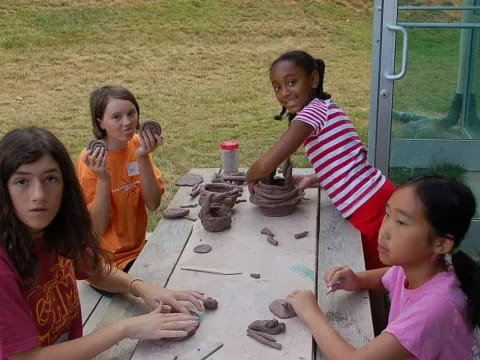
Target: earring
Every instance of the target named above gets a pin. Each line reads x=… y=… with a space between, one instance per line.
x=433 y=257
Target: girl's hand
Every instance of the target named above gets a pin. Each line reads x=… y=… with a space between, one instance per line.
x=154 y=295
x=303 y=302
x=149 y=142
x=250 y=185
x=97 y=162
x=304 y=181
x=157 y=325
x=341 y=277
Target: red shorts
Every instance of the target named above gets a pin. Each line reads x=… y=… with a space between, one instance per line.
x=368 y=219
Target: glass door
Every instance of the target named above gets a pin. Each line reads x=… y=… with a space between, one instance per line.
x=425 y=91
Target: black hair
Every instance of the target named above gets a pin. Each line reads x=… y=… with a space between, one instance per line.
x=449 y=207
x=308 y=64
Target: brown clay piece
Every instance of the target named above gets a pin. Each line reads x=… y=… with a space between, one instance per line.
x=255 y=275
x=272 y=240
x=215 y=218
x=188 y=206
x=189 y=180
x=272 y=327
x=202 y=249
x=151 y=125
x=261 y=339
x=266 y=231
x=276 y=196
x=282 y=309
x=96 y=143
x=210 y=303
x=175 y=212
x=301 y=235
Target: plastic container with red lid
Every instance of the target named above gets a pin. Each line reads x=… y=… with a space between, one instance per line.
x=230 y=156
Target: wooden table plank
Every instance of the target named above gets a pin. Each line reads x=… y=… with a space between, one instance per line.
x=89 y=299
x=154 y=264
x=340 y=244
x=242 y=299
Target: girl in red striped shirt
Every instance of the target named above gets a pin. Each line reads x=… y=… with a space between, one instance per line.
x=356 y=188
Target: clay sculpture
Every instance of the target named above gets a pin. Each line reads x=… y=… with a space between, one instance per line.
x=175 y=212
x=272 y=327
x=202 y=249
x=151 y=125
x=236 y=178
x=277 y=196
x=215 y=218
x=224 y=194
x=95 y=143
x=189 y=180
x=262 y=331
x=281 y=309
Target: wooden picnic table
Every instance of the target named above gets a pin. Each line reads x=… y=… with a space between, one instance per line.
x=293 y=264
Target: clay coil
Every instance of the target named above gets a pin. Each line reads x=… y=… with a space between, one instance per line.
x=96 y=143
x=151 y=125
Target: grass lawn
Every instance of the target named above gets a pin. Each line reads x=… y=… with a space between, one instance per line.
x=199 y=67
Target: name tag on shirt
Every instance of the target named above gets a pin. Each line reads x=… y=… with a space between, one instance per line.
x=132 y=169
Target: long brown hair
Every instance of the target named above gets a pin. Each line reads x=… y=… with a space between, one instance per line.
x=70 y=233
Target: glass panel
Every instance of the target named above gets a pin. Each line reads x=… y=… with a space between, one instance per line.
x=435 y=106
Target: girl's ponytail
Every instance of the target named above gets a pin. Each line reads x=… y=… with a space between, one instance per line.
x=468 y=273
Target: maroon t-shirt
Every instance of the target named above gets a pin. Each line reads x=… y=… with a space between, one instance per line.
x=39 y=316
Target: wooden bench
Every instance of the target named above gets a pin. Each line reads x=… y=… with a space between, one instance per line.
x=337 y=243
x=340 y=244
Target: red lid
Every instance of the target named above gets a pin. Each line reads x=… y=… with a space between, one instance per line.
x=229 y=145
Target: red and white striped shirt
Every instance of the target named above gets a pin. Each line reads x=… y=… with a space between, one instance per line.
x=338 y=156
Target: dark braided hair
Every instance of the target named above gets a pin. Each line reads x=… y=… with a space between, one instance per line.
x=449 y=207
x=308 y=64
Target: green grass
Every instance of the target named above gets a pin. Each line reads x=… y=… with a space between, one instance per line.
x=199 y=67
x=401 y=174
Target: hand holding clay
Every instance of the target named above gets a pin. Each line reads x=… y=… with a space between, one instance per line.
x=150 y=138
x=341 y=277
x=96 y=158
x=305 y=181
x=281 y=309
x=303 y=303
x=156 y=325
x=154 y=295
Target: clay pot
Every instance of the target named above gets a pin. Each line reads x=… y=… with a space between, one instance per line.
x=215 y=218
x=277 y=199
x=223 y=194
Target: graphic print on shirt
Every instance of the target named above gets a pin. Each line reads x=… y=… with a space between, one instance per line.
x=128 y=186
x=55 y=303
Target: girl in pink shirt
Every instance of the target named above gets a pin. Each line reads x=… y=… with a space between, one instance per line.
x=435 y=304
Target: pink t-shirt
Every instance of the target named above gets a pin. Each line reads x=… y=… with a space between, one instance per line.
x=429 y=321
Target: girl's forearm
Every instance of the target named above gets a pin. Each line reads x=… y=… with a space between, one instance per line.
x=85 y=347
x=372 y=279
x=116 y=281
x=151 y=190
x=100 y=210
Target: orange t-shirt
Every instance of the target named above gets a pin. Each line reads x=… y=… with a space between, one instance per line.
x=125 y=235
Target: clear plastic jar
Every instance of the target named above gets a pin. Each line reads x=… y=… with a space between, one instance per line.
x=230 y=156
